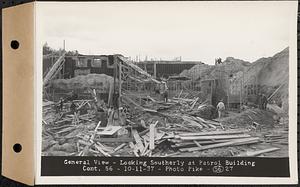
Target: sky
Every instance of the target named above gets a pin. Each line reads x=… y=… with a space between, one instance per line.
x=200 y=31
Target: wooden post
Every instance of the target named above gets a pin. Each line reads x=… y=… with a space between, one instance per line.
x=152 y=136
x=154 y=67
x=228 y=93
x=211 y=90
x=63 y=69
x=241 y=99
x=120 y=86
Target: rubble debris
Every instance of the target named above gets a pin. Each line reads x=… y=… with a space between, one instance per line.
x=170 y=132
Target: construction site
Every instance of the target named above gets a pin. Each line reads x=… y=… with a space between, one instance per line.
x=113 y=106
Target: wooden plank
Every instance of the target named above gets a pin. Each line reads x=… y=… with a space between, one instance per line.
x=250 y=142
x=119 y=147
x=186 y=144
x=84 y=143
x=134 y=149
x=66 y=130
x=144 y=132
x=180 y=94
x=182 y=126
x=183 y=99
x=255 y=153
x=276 y=90
x=110 y=94
x=101 y=150
x=110 y=140
x=213 y=133
x=109 y=130
x=95 y=130
x=105 y=148
x=145 y=149
x=60 y=127
x=197 y=143
x=151 y=137
x=143 y=124
x=207 y=122
x=225 y=144
x=193 y=105
x=211 y=126
x=214 y=137
x=137 y=138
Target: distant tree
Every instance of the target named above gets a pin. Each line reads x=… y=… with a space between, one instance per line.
x=46 y=49
x=57 y=52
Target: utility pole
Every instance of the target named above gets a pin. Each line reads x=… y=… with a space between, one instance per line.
x=64 y=45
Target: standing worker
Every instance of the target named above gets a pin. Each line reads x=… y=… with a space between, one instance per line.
x=61 y=104
x=165 y=93
x=264 y=102
x=73 y=107
x=259 y=101
x=220 y=108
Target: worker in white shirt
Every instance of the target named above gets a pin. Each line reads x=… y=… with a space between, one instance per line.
x=220 y=108
x=165 y=92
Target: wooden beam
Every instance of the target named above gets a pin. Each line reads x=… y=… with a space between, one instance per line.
x=119 y=147
x=213 y=133
x=137 y=138
x=133 y=147
x=184 y=144
x=255 y=153
x=110 y=140
x=152 y=136
x=101 y=150
x=214 y=137
x=225 y=144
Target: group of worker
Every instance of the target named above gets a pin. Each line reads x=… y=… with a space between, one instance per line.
x=73 y=96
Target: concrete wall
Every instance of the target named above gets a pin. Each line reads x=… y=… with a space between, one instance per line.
x=166 y=68
x=82 y=65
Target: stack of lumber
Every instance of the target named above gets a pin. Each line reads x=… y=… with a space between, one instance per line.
x=213 y=139
x=278 y=138
x=202 y=123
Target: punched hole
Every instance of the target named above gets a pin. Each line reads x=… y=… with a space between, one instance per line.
x=17 y=148
x=14 y=44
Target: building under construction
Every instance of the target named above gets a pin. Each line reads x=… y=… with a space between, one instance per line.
x=108 y=105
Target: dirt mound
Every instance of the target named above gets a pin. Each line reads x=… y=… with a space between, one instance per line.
x=229 y=66
x=276 y=70
x=198 y=71
x=233 y=65
x=247 y=117
x=99 y=81
x=271 y=73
